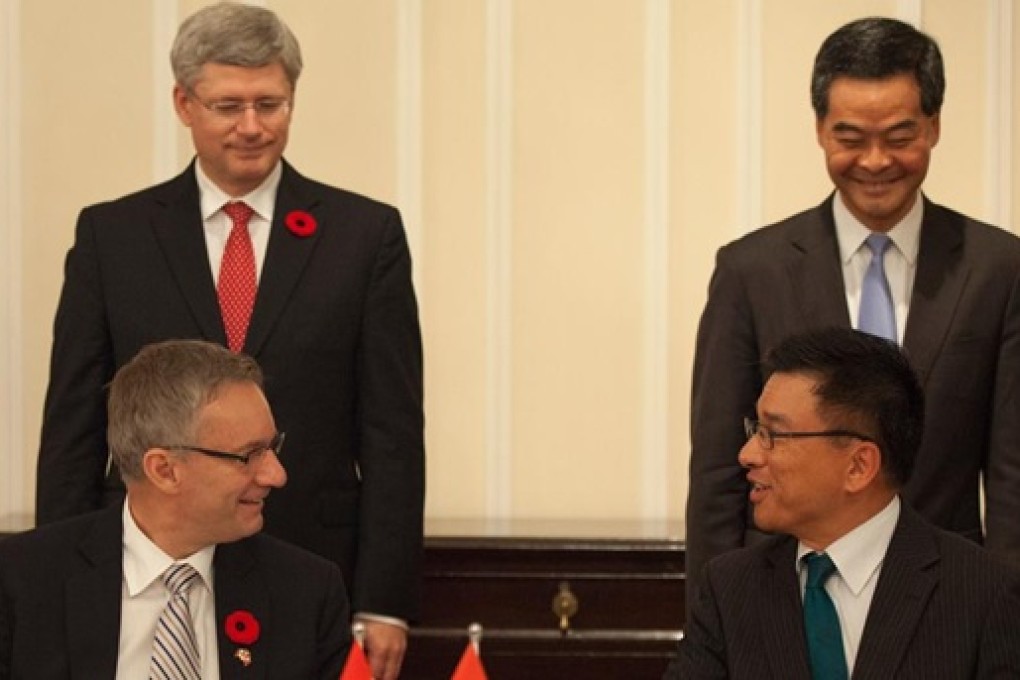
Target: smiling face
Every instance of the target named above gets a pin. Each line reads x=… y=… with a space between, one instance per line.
x=236 y=154
x=877 y=143
x=222 y=500
x=798 y=487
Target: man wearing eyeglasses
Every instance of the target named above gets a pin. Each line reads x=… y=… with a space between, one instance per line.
x=314 y=282
x=878 y=255
x=177 y=581
x=855 y=583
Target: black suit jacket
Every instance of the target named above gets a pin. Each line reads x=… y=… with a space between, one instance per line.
x=335 y=330
x=962 y=337
x=943 y=608
x=60 y=604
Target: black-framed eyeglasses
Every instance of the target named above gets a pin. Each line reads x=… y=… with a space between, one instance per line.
x=275 y=445
x=266 y=108
x=767 y=437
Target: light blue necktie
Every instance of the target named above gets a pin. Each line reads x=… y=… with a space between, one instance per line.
x=821 y=624
x=877 y=314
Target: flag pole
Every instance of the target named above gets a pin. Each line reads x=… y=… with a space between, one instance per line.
x=475 y=635
x=358 y=633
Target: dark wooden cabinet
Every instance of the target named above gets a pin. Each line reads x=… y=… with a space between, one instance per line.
x=627 y=580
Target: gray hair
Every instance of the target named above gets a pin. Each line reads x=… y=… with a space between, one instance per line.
x=156 y=397
x=236 y=35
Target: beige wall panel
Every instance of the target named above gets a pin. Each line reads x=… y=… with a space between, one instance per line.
x=453 y=298
x=344 y=130
x=86 y=136
x=793 y=168
x=577 y=254
x=959 y=169
x=575 y=439
x=1013 y=185
x=702 y=195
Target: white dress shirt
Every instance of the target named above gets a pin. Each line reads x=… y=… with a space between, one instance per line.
x=143 y=597
x=858 y=557
x=900 y=261
x=217 y=225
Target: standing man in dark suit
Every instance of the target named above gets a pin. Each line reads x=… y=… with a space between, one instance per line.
x=954 y=284
x=860 y=585
x=314 y=282
x=94 y=596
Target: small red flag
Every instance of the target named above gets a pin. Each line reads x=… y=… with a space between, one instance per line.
x=470 y=666
x=357 y=667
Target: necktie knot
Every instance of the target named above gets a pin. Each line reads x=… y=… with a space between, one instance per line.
x=179 y=577
x=819 y=569
x=239 y=212
x=877 y=243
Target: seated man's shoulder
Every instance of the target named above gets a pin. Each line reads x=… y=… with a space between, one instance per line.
x=967 y=562
x=287 y=557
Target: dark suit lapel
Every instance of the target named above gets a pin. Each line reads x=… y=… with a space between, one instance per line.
x=239 y=586
x=179 y=230
x=908 y=578
x=286 y=255
x=815 y=272
x=93 y=599
x=941 y=275
x=782 y=615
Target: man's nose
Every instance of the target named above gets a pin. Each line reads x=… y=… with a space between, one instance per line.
x=751 y=453
x=271 y=472
x=875 y=157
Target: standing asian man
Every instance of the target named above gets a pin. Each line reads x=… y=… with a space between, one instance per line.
x=876 y=255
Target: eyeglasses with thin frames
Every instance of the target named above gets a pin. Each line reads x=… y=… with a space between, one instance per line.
x=231 y=110
x=275 y=445
x=767 y=437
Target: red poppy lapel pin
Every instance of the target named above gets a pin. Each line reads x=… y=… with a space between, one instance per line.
x=300 y=223
x=242 y=628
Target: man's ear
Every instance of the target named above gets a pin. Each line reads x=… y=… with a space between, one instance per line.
x=182 y=105
x=865 y=465
x=162 y=469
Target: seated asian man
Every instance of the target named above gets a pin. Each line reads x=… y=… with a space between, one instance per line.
x=856 y=583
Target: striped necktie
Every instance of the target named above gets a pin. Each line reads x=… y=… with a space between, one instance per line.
x=175 y=646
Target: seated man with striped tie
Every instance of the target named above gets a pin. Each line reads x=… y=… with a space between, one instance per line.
x=855 y=583
x=178 y=581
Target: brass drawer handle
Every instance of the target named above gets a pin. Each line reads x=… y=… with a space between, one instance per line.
x=564 y=606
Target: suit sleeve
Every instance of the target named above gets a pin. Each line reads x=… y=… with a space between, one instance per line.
x=702 y=651
x=73 y=450
x=334 y=639
x=391 y=447
x=726 y=384
x=999 y=651
x=1002 y=471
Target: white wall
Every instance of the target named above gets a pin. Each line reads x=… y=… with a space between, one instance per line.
x=566 y=169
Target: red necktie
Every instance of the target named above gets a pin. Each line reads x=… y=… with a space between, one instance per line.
x=237 y=284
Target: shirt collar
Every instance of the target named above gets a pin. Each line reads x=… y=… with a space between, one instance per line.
x=858 y=554
x=261 y=199
x=144 y=561
x=850 y=233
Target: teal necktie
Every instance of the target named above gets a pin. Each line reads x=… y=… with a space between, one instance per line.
x=824 y=639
